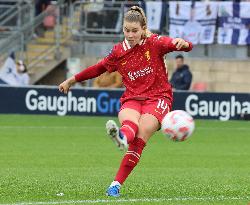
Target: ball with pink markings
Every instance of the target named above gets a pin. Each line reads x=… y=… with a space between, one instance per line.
x=178 y=125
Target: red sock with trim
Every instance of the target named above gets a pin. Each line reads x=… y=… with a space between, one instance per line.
x=129 y=129
x=130 y=159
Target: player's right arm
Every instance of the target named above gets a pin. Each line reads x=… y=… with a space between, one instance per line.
x=65 y=85
x=88 y=73
x=107 y=64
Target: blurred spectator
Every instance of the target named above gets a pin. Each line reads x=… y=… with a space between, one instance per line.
x=49 y=21
x=41 y=5
x=23 y=77
x=108 y=80
x=182 y=77
x=14 y=74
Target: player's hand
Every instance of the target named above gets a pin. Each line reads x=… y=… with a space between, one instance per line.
x=65 y=85
x=180 y=43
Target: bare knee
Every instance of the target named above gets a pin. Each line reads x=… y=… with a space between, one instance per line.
x=129 y=114
x=148 y=125
x=145 y=130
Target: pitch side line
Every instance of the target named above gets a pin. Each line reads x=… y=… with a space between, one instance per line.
x=51 y=127
x=103 y=127
x=105 y=201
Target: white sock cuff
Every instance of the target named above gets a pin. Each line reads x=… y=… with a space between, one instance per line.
x=114 y=183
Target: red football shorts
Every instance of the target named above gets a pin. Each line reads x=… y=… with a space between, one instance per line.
x=157 y=107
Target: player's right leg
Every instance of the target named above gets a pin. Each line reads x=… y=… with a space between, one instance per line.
x=128 y=118
x=115 y=135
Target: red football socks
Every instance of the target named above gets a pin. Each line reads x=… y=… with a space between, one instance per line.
x=129 y=129
x=130 y=159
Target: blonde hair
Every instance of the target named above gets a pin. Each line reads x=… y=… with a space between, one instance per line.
x=136 y=14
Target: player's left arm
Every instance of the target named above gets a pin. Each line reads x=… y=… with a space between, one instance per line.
x=182 y=45
x=166 y=44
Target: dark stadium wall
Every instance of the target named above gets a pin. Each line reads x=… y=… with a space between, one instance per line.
x=54 y=77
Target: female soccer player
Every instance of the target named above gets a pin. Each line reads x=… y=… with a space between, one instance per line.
x=148 y=95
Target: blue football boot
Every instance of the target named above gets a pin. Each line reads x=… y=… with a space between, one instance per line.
x=116 y=136
x=114 y=190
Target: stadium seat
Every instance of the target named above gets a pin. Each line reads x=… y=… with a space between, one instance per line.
x=199 y=86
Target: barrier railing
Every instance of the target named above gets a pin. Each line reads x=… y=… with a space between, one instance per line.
x=14 y=14
x=19 y=39
x=99 y=21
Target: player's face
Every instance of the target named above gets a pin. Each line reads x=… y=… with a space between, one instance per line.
x=133 y=32
x=179 y=62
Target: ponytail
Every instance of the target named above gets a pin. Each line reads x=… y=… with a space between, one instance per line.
x=136 y=14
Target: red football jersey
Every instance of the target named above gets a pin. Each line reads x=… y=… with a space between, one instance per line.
x=142 y=67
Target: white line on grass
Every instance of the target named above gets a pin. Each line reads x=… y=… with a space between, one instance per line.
x=106 y=201
x=51 y=127
x=103 y=127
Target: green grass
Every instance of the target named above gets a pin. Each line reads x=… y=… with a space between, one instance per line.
x=41 y=156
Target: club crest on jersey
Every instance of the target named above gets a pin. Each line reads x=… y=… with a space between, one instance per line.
x=147 y=55
x=124 y=62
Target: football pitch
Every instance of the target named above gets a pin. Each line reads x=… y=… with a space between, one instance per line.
x=70 y=160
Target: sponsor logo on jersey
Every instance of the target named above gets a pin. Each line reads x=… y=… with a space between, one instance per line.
x=140 y=73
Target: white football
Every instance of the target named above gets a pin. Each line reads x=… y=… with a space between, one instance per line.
x=177 y=125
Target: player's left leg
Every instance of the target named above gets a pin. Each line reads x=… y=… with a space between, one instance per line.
x=148 y=124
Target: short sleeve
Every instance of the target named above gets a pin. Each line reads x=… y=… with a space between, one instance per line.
x=110 y=61
x=164 y=44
